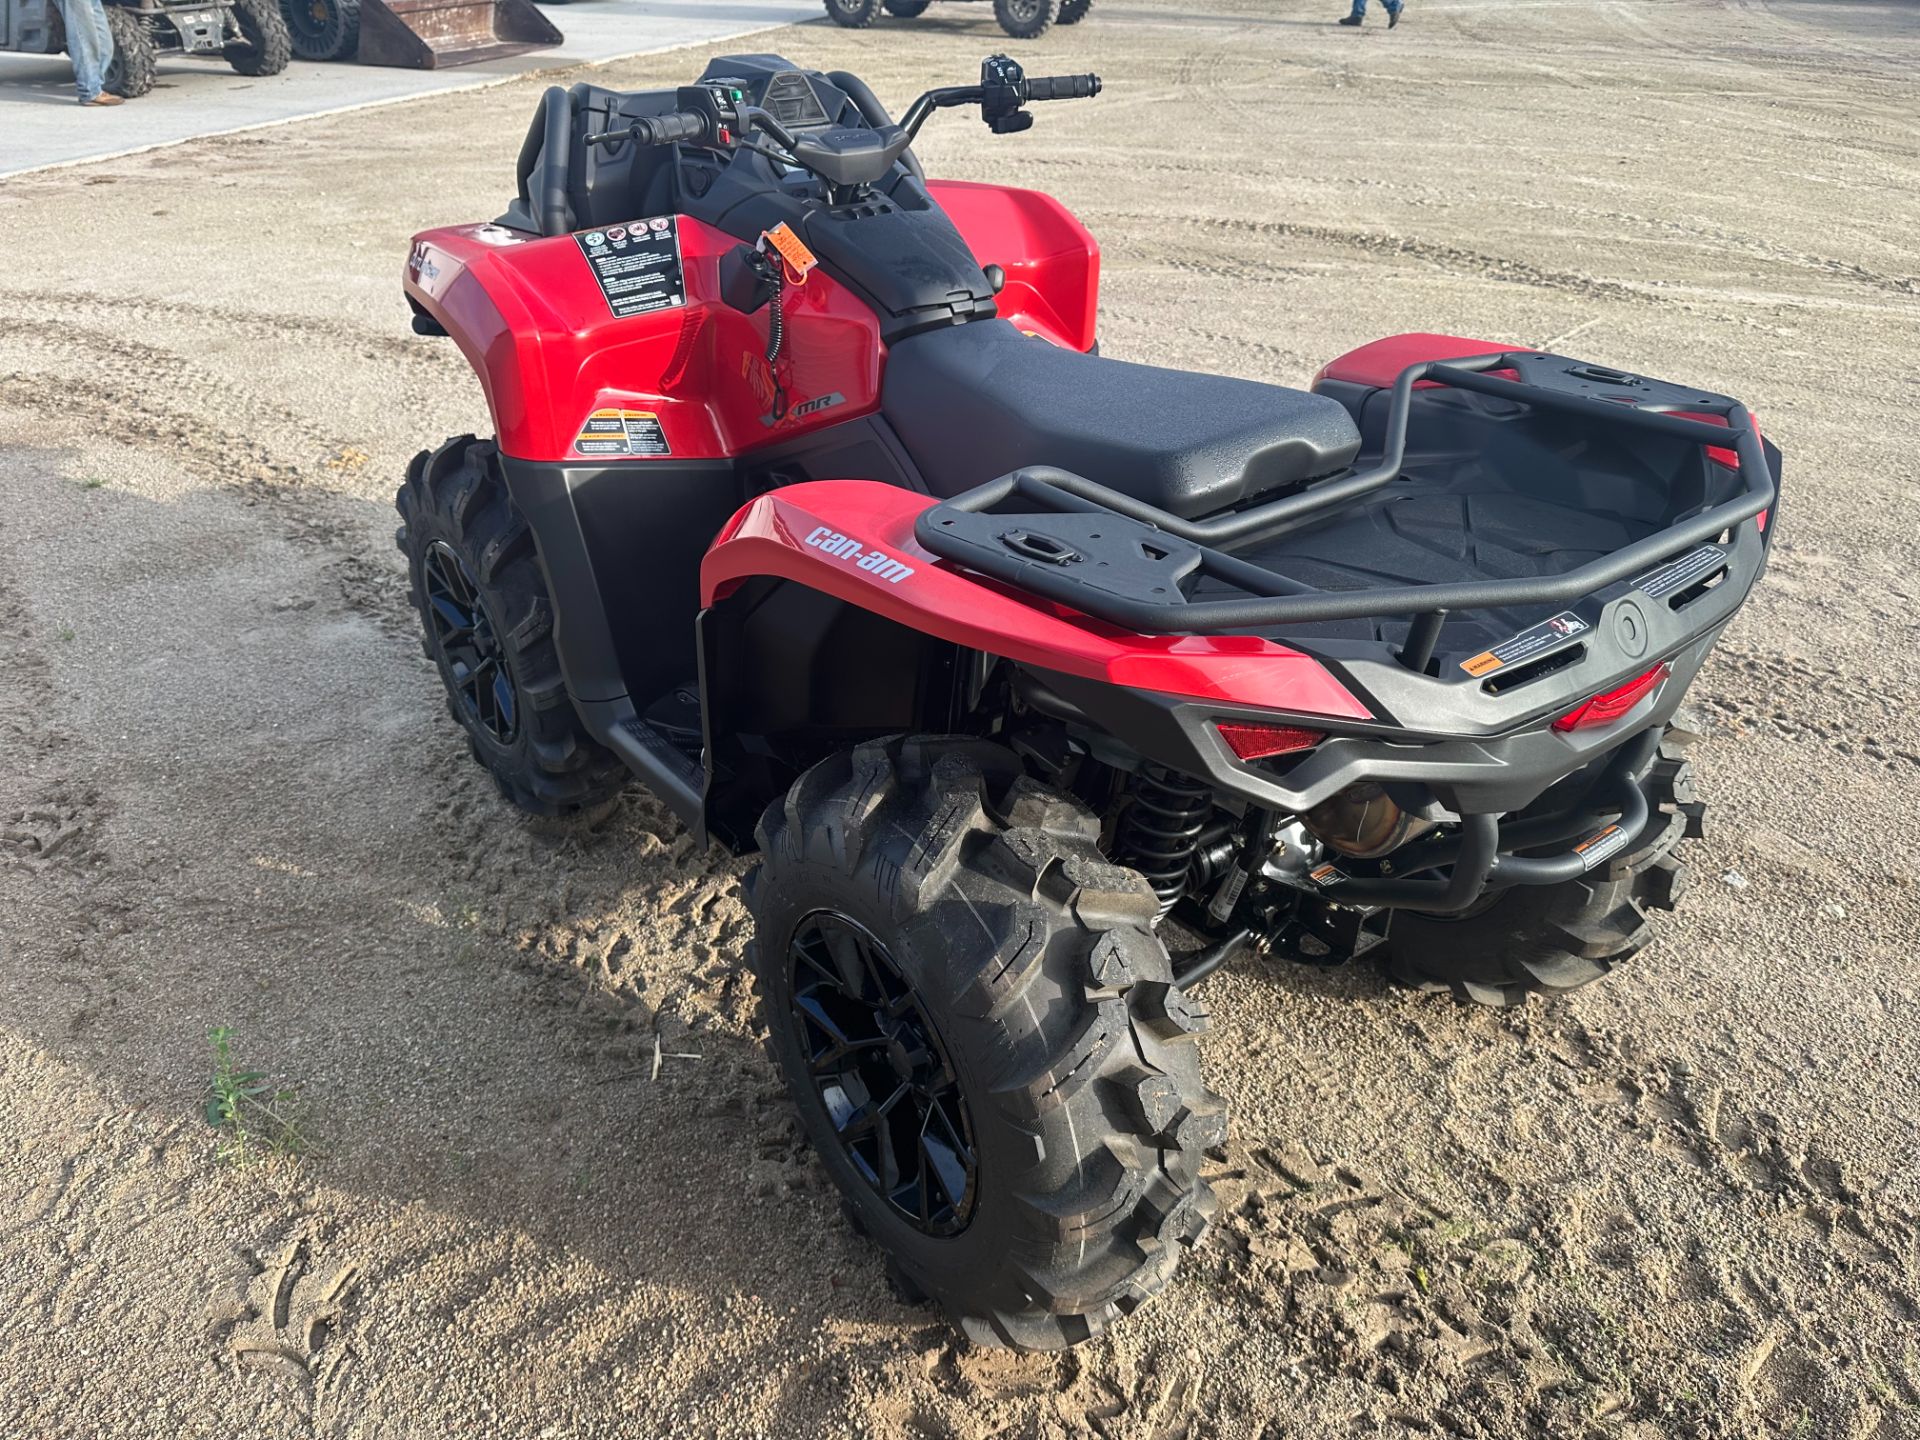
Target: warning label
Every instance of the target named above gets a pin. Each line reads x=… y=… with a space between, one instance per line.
x=637 y=265
x=622 y=432
x=1326 y=875
x=1529 y=644
x=1690 y=568
x=1599 y=845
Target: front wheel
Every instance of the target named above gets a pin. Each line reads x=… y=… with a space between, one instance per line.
x=1026 y=19
x=854 y=14
x=264 y=47
x=131 y=71
x=979 y=1029
x=483 y=603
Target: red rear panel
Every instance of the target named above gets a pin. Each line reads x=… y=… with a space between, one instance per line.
x=532 y=320
x=1051 y=260
x=854 y=539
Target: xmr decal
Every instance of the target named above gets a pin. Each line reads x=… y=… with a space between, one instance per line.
x=875 y=562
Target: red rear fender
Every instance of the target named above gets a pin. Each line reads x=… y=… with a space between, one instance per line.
x=853 y=539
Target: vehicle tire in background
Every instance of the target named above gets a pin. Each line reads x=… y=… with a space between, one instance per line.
x=323 y=29
x=906 y=9
x=1025 y=19
x=265 y=47
x=476 y=581
x=131 y=71
x=854 y=14
x=979 y=1028
x=1550 y=939
x=1072 y=12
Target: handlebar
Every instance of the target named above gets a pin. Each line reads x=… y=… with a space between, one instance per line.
x=668 y=129
x=1062 y=87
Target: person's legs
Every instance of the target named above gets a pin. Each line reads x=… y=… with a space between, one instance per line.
x=89 y=45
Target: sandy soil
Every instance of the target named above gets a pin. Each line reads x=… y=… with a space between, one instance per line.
x=1683 y=1203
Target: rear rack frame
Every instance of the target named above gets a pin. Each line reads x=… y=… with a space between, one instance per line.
x=1275 y=600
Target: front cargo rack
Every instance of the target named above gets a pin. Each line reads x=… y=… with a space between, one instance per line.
x=1051 y=533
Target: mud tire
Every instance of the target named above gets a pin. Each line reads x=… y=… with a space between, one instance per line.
x=268 y=48
x=1548 y=939
x=1072 y=12
x=853 y=14
x=130 y=74
x=1026 y=19
x=1035 y=960
x=456 y=495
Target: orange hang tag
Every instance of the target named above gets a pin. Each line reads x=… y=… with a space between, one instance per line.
x=793 y=250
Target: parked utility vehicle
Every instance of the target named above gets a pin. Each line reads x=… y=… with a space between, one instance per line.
x=811 y=503
x=249 y=35
x=1022 y=19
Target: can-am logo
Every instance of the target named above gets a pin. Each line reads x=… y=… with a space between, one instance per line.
x=877 y=563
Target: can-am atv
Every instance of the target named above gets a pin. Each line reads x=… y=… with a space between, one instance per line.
x=813 y=504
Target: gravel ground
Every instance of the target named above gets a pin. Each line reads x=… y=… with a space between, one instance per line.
x=1683 y=1203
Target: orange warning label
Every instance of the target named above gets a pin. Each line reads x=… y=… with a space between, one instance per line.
x=792 y=249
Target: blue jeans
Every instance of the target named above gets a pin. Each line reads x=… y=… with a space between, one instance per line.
x=1392 y=7
x=90 y=44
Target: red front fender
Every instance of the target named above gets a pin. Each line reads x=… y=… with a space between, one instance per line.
x=853 y=539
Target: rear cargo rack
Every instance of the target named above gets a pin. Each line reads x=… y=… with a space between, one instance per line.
x=1137 y=577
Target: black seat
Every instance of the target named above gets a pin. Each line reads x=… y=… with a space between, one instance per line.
x=974 y=401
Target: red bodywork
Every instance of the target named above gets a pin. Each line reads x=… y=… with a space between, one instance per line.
x=530 y=318
x=838 y=536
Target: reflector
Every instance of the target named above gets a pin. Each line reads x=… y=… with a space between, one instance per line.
x=1251 y=740
x=1605 y=709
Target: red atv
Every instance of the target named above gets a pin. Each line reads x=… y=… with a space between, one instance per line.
x=814 y=505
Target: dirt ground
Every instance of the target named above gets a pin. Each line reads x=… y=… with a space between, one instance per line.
x=1683 y=1203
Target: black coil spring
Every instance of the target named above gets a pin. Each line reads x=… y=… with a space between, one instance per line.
x=1161 y=832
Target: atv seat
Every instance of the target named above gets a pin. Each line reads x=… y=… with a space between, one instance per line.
x=972 y=402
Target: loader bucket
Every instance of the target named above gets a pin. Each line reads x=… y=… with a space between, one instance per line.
x=433 y=34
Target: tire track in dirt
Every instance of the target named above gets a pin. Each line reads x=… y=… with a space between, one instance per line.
x=1453 y=258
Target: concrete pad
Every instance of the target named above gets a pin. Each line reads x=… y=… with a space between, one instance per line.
x=41 y=126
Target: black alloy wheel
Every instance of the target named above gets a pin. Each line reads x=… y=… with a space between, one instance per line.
x=466 y=639
x=882 y=1073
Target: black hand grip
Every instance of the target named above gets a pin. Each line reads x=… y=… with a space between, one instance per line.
x=1063 y=87
x=670 y=129
x=657 y=130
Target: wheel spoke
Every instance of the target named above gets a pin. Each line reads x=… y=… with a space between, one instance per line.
x=881 y=1073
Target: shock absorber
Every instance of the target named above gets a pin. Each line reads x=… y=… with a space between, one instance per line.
x=1161 y=832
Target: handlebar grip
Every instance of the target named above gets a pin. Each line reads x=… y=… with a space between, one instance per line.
x=670 y=129
x=1063 y=87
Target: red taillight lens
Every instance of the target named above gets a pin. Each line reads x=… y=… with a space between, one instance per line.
x=1605 y=709
x=1252 y=741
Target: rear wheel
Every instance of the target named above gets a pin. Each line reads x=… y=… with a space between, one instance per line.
x=323 y=29
x=978 y=1026
x=264 y=47
x=1550 y=939
x=854 y=14
x=1072 y=12
x=130 y=73
x=483 y=603
x=1025 y=19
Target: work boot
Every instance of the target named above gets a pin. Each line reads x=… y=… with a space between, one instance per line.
x=104 y=98
x=1349 y=19
x=1393 y=16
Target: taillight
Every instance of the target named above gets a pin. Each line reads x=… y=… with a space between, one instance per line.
x=1605 y=709
x=1251 y=740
